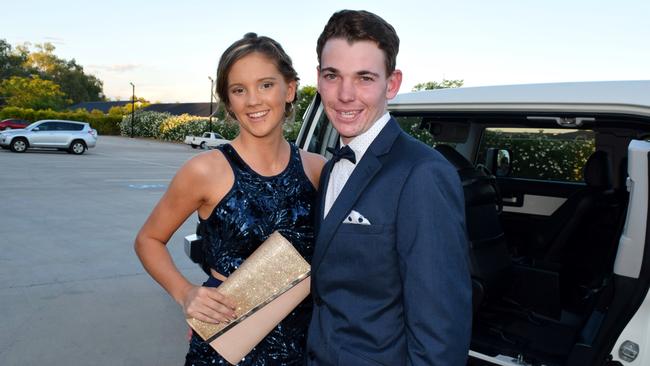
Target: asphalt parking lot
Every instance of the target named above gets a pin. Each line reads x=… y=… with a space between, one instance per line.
x=72 y=291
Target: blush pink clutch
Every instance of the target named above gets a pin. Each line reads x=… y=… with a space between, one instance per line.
x=266 y=288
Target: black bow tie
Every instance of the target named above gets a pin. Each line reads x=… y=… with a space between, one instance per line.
x=342 y=153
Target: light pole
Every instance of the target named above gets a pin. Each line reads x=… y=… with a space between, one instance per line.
x=132 y=109
x=211 y=97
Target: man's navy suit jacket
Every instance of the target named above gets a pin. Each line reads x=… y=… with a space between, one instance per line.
x=397 y=291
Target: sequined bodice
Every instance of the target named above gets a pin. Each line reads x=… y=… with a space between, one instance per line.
x=254 y=208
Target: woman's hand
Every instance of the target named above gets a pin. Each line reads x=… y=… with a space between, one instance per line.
x=208 y=305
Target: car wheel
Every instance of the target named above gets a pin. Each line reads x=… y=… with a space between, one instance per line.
x=77 y=147
x=202 y=146
x=19 y=144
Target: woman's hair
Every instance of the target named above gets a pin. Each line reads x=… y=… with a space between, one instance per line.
x=249 y=44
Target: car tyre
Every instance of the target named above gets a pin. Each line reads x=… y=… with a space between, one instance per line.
x=77 y=147
x=7 y=128
x=202 y=146
x=19 y=145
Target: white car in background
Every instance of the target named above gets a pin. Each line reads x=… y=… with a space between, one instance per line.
x=71 y=136
x=209 y=140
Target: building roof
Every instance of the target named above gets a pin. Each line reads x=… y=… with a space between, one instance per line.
x=194 y=109
x=102 y=106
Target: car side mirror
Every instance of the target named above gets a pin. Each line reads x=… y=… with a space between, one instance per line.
x=497 y=161
x=503 y=163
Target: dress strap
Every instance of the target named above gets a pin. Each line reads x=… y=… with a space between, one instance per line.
x=235 y=161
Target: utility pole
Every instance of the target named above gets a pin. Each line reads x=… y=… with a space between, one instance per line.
x=211 y=98
x=132 y=109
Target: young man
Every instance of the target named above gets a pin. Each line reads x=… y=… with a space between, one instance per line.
x=390 y=280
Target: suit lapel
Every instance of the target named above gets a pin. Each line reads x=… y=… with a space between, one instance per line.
x=322 y=189
x=363 y=173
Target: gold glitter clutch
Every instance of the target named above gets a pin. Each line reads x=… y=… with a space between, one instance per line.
x=266 y=288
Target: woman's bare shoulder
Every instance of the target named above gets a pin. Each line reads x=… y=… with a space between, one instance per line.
x=313 y=159
x=203 y=169
x=313 y=165
x=206 y=163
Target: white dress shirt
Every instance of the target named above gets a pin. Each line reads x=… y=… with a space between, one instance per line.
x=343 y=168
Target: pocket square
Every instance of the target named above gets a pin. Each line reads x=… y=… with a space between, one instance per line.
x=356 y=218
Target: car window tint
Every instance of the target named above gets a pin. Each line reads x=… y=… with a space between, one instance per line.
x=322 y=129
x=47 y=126
x=541 y=153
x=74 y=126
x=417 y=126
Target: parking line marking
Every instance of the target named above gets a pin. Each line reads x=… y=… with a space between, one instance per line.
x=139 y=161
x=137 y=180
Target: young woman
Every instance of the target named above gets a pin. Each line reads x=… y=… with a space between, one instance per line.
x=243 y=192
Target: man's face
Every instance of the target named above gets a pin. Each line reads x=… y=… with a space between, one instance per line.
x=354 y=86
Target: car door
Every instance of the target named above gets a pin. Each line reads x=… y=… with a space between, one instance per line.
x=632 y=267
x=65 y=133
x=43 y=134
x=538 y=169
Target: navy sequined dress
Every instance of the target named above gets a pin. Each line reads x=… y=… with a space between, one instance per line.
x=253 y=209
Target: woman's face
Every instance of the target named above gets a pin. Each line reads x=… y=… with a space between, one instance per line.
x=258 y=93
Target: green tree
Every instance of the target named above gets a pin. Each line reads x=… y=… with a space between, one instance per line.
x=74 y=82
x=11 y=62
x=32 y=92
x=305 y=96
x=444 y=84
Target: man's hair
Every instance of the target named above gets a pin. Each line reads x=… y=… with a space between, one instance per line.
x=361 y=25
x=252 y=43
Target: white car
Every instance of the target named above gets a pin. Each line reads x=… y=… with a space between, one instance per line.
x=556 y=187
x=71 y=136
x=208 y=140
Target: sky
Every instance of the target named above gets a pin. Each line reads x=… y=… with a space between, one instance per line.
x=168 y=49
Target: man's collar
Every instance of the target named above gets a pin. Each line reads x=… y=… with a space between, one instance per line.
x=360 y=144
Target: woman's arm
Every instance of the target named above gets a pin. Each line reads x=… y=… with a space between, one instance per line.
x=191 y=188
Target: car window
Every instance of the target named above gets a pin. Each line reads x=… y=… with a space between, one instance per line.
x=72 y=126
x=418 y=127
x=61 y=126
x=541 y=153
x=323 y=134
x=46 y=126
x=216 y=135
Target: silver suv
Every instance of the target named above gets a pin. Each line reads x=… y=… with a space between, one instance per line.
x=73 y=137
